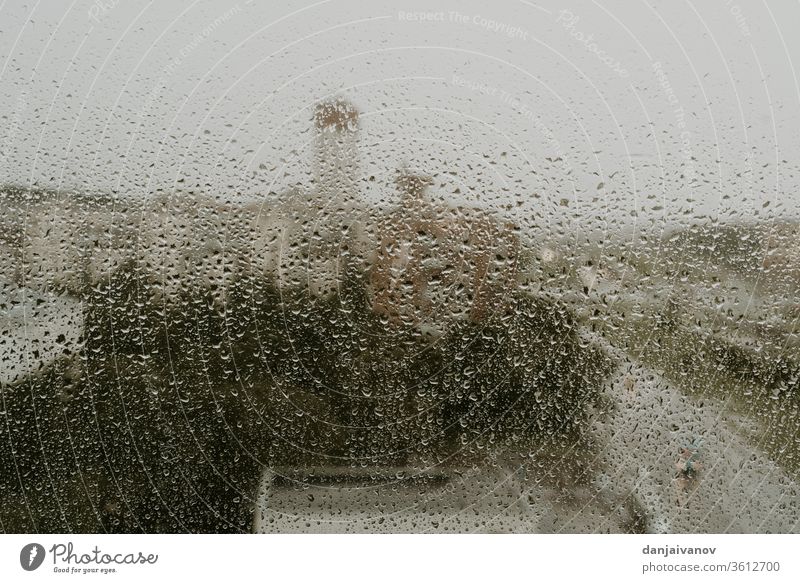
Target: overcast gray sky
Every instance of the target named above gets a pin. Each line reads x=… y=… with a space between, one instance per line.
x=620 y=114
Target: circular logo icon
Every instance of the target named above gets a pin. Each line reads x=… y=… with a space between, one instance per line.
x=31 y=556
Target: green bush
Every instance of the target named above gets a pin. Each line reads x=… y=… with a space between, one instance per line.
x=180 y=404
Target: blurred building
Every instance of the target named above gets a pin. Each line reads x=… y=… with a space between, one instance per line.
x=424 y=262
x=439 y=262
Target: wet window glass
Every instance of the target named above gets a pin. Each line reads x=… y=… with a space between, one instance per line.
x=442 y=267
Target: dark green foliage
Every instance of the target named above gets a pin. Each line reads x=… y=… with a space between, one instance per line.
x=179 y=406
